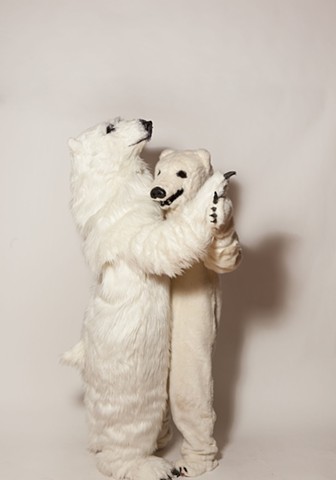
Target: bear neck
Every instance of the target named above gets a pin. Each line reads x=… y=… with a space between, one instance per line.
x=94 y=189
x=170 y=212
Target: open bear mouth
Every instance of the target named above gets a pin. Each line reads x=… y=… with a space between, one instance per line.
x=144 y=139
x=172 y=198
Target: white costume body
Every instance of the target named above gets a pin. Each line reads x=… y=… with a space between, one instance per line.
x=195 y=301
x=124 y=350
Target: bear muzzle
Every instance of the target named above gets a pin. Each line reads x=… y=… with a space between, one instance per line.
x=158 y=193
x=148 y=126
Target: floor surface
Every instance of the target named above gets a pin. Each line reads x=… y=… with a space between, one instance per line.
x=51 y=445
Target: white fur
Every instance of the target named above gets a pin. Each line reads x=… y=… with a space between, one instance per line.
x=124 y=350
x=195 y=303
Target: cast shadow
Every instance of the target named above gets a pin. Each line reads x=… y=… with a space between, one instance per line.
x=255 y=292
x=151 y=157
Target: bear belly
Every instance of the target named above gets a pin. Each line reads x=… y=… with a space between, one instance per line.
x=127 y=331
x=195 y=308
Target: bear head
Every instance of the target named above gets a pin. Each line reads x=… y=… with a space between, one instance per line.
x=108 y=145
x=178 y=176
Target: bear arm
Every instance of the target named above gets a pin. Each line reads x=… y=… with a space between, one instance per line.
x=225 y=253
x=141 y=238
x=160 y=247
x=170 y=247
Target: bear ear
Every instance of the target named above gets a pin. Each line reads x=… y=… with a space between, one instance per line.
x=206 y=159
x=74 y=145
x=166 y=152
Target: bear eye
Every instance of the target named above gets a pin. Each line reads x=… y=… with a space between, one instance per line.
x=182 y=174
x=158 y=173
x=110 y=128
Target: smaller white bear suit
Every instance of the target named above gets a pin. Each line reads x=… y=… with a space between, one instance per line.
x=195 y=302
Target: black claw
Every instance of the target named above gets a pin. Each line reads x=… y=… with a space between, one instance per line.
x=175 y=472
x=215 y=198
x=185 y=469
x=214 y=216
x=227 y=175
x=213 y=209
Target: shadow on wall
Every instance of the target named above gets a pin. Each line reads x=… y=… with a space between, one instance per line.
x=151 y=157
x=255 y=292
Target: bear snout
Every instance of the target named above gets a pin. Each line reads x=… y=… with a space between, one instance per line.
x=157 y=192
x=148 y=125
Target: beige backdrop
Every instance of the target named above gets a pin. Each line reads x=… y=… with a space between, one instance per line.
x=254 y=81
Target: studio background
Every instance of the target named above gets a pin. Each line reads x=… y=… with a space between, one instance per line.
x=254 y=82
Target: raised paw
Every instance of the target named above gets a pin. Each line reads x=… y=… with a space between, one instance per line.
x=221 y=192
x=214 y=215
x=217 y=209
x=220 y=211
x=227 y=175
x=214 y=218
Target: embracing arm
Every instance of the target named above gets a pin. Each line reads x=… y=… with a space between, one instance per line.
x=160 y=247
x=142 y=238
x=170 y=247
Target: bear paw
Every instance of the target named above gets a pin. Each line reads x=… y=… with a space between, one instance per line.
x=220 y=210
x=193 y=468
x=153 y=468
x=145 y=468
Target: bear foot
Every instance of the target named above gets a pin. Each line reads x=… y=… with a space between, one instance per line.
x=153 y=468
x=193 y=468
x=144 y=468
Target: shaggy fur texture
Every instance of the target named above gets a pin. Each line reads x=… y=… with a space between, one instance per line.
x=124 y=351
x=195 y=311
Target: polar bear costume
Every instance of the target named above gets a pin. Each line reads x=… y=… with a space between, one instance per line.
x=123 y=353
x=195 y=312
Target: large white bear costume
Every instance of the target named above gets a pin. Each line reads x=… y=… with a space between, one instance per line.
x=195 y=311
x=123 y=353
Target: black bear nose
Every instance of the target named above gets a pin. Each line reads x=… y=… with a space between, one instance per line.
x=148 y=125
x=157 y=192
